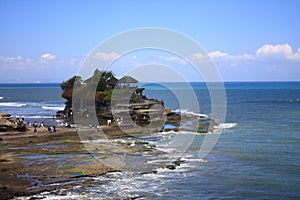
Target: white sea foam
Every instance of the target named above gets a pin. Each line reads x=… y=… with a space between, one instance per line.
x=219 y=129
x=97 y=141
x=12 y=104
x=159 y=161
x=1 y=97
x=68 y=195
x=194 y=160
x=226 y=125
x=163 y=170
x=166 y=133
x=53 y=107
x=185 y=111
x=39 y=117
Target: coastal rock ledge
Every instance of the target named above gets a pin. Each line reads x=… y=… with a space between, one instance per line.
x=7 y=123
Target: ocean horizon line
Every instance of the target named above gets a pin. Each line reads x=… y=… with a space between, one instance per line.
x=144 y=82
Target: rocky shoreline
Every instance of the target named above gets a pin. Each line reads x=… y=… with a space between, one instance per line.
x=32 y=164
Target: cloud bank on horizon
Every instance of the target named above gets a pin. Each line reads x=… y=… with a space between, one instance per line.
x=280 y=62
x=45 y=68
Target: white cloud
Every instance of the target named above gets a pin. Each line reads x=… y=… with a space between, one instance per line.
x=280 y=51
x=295 y=56
x=106 y=56
x=267 y=54
x=17 y=62
x=269 y=62
x=225 y=56
x=11 y=59
x=268 y=49
x=22 y=69
x=198 y=56
x=47 y=57
x=217 y=54
x=230 y=60
x=41 y=63
x=176 y=59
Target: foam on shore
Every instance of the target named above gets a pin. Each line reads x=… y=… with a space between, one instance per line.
x=53 y=107
x=185 y=111
x=12 y=104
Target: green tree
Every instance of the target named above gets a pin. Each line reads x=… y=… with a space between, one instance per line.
x=67 y=88
x=104 y=77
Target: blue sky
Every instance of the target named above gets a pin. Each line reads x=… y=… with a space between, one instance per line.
x=249 y=40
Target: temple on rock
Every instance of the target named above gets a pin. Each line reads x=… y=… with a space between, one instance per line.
x=112 y=99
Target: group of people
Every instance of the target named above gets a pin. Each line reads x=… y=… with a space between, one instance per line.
x=51 y=129
x=35 y=125
x=118 y=121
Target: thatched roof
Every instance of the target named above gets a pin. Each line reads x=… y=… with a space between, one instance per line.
x=128 y=79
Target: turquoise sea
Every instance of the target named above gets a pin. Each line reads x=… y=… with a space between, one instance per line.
x=256 y=157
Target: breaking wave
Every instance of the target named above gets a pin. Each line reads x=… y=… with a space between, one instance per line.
x=53 y=107
x=185 y=111
x=12 y=104
x=39 y=117
x=226 y=125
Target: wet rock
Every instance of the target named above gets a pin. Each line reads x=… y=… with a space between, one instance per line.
x=150 y=172
x=171 y=167
x=177 y=162
x=21 y=127
x=33 y=184
x=173 y=116
x=141 y=142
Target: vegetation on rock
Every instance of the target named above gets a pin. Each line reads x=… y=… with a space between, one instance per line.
x=96 y=94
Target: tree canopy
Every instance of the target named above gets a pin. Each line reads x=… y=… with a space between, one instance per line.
x=99 y=81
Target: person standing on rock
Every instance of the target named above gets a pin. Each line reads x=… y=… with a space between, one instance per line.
x=35 y=127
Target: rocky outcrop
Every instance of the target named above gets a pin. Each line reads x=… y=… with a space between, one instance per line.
x=122 y=102
x=173 y=118
x=7 y=123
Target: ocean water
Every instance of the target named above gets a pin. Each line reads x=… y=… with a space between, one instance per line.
x=31 y=100
x=256 y=157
